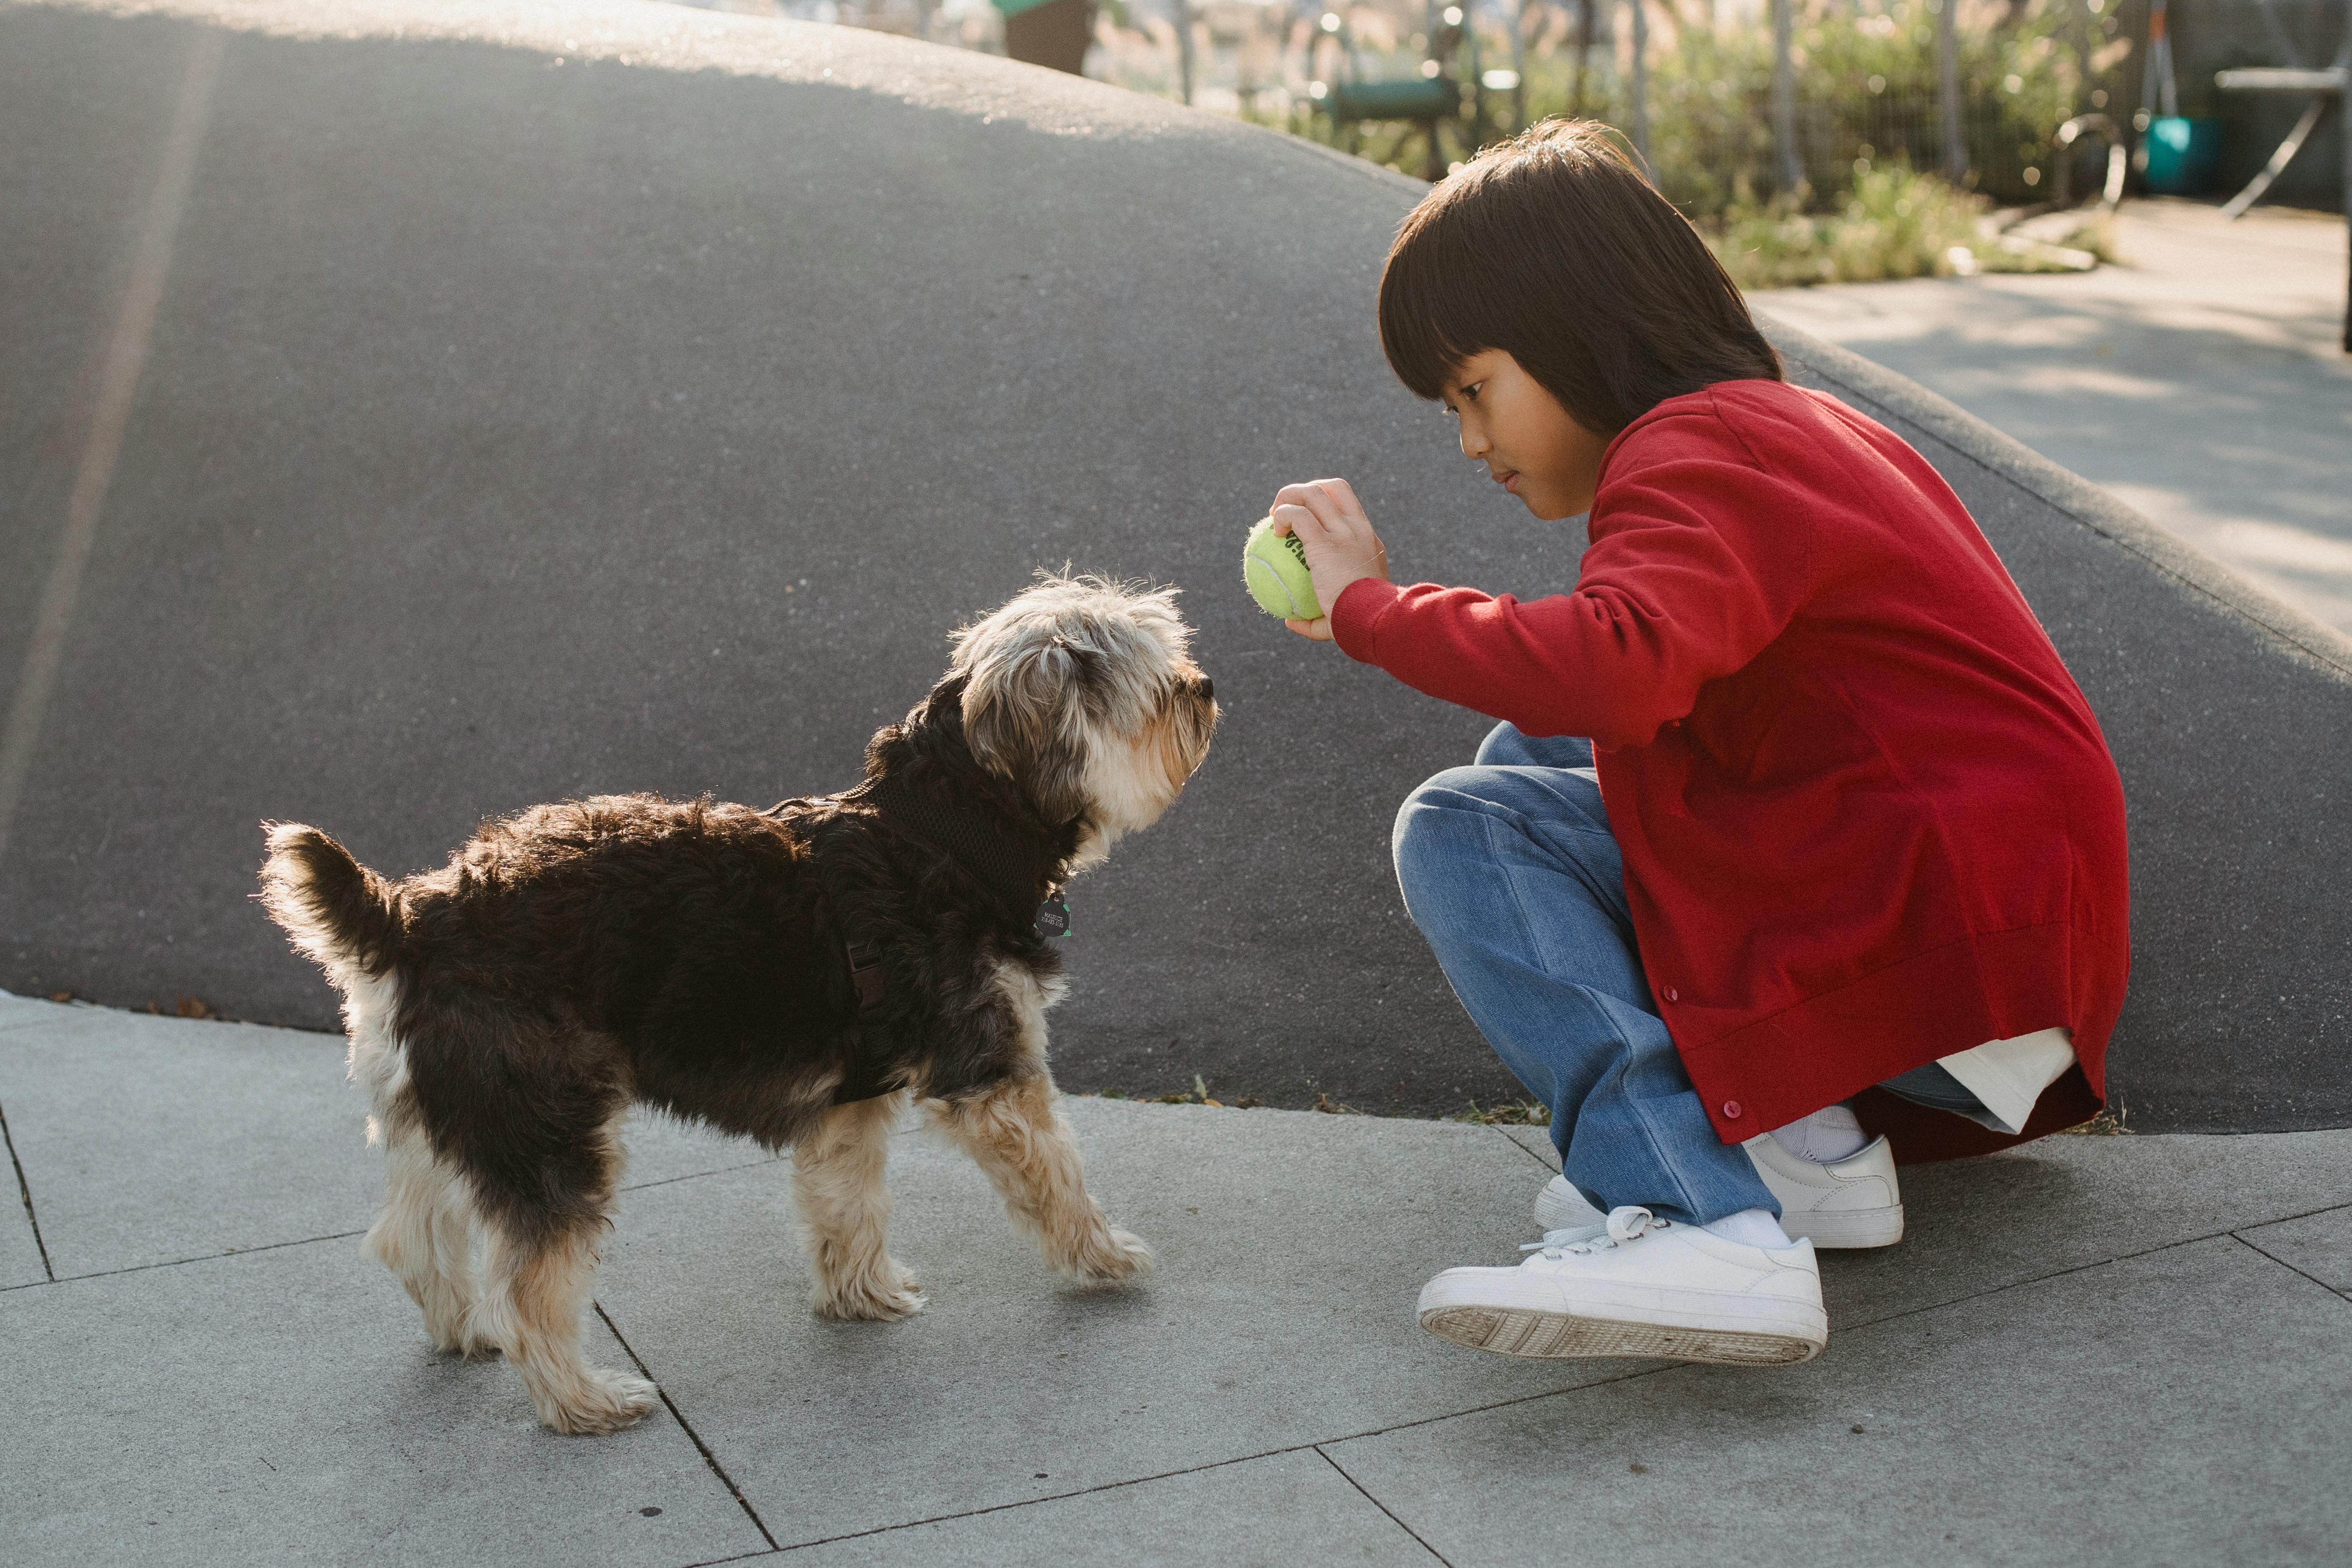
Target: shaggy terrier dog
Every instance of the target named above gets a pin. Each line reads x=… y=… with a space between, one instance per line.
x=797 y=975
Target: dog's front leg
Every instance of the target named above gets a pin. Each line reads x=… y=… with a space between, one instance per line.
x=845 y=1214
x=1018 y=1136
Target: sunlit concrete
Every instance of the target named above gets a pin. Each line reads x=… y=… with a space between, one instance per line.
x=2132 y=1339
x=2202 y=381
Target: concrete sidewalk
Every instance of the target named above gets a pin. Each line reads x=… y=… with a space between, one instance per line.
x=2119 y=1349
x=2202 y=381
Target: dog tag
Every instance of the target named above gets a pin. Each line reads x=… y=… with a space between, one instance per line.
x=1054 y=917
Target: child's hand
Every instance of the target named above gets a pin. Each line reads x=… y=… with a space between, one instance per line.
x=1340 y=545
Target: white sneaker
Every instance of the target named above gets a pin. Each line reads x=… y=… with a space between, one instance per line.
x=1852 y=1203
x=1641 y=1287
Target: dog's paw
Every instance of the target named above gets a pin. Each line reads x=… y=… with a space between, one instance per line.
x=605 y=1401
x=885 y=1296
x=1110 y=1256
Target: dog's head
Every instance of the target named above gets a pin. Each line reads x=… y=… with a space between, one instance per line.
x=1082 y=692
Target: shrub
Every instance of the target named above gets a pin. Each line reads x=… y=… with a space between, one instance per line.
x=1895 y=224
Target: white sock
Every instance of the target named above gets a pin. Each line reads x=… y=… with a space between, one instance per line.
x=1749 y=1227
x=1828 y=1135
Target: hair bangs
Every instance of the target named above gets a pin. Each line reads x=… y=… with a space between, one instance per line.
x=1428 y=324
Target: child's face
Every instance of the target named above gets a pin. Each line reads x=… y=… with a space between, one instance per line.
x=1523 y=436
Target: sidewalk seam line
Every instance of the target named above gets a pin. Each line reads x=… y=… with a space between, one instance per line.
x=2335 y=1291
x=1523 y=1149
x=687 y=1427
x=2096 y=1263
x=2039 y=1279
x=1219 y=1464
x=697 y=1175
x=1377 y=1503
x=182 y=1262
x=25 y=1191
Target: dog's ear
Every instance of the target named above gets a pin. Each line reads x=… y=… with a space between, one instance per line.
x=1024 y=718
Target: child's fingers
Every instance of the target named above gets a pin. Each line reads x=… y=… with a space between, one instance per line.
x=1320 y=499
x=1312 y=631
x=1330 y=499
x=1297 y=495
x=1342 y=497
x=1294 y=518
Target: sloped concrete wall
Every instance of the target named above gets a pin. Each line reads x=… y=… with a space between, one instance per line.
x=631 y=397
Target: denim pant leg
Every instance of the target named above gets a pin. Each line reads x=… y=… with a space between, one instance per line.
x=1511 y=871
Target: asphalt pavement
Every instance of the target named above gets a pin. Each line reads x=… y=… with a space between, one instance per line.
x=2091 y=1350
x=414 y=410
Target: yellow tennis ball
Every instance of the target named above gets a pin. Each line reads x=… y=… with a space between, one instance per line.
x=1275 y=567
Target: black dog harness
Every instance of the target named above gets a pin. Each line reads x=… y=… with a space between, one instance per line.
x=980 y=849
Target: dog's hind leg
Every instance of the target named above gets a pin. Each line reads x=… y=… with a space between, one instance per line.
x=541 y=1268
x=1020 y=1138
x=424 y=1232
x=532 y=1309
x=425 y=1235
x=844 y=1204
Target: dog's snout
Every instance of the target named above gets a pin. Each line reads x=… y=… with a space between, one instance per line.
x=1207 y=687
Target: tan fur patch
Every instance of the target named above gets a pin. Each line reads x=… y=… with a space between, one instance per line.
x=1018 y=1136
x=844 y=1209
x=532 y=1312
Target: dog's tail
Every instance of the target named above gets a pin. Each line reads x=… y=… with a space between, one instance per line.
x=341 y=915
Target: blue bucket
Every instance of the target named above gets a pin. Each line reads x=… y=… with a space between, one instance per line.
x=2178 y=155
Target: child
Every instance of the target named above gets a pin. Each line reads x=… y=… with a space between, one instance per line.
x=1791 y=796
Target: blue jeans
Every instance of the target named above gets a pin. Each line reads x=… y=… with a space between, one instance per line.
x=1509 y=869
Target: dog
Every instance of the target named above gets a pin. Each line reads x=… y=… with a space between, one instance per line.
x=797 y=975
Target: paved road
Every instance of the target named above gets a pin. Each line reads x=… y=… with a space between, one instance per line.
x=414 y=409
x=2201 y=383
x=2093 y=1350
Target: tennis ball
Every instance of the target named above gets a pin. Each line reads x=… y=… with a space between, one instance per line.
x=1275 y=567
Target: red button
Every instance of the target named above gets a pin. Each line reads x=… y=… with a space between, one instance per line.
x=1673 y=994
x=1731 y=1110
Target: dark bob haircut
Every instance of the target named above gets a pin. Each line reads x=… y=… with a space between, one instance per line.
x=1552 y=248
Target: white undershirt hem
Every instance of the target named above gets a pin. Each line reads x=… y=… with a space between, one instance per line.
x=2009 y=1076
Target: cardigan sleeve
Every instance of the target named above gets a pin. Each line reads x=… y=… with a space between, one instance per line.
x=1698 y=560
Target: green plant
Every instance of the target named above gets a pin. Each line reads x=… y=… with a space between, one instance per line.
x=1866 y=94
x=1894 y=223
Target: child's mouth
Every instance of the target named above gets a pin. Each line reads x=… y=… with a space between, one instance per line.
x=1509 y=479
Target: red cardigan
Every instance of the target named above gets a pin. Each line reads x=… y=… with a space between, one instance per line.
x=1867 y=818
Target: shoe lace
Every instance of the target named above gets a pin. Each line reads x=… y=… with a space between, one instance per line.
x=1622 y=1226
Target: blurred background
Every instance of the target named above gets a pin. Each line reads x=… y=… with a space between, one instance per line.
x=1816 y=141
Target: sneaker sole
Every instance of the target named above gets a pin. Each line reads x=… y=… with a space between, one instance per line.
x=1509 y=1330
x=1849 y=1228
